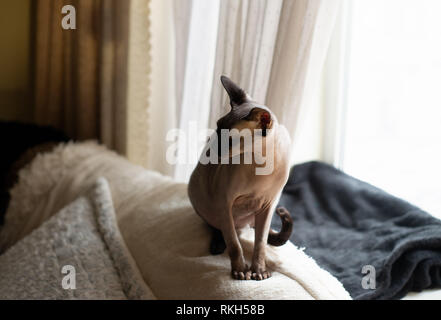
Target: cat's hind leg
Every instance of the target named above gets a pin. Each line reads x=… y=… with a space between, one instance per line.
x=217 y=245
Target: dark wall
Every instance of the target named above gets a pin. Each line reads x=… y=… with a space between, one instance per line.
x=14 y=60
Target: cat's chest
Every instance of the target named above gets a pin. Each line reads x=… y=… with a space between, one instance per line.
x=249 y=204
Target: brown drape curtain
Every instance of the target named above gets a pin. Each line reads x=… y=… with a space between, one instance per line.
x=92 y=82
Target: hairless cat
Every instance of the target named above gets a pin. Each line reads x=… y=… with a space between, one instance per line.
x=229 y=195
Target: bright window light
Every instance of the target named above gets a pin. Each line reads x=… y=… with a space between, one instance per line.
x=393 y=119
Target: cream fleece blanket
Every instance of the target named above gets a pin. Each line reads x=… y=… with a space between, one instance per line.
x=167 y=240
x=83 y=237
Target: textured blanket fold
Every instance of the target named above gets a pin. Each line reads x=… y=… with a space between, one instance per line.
x=346 y=224
x=83 y=235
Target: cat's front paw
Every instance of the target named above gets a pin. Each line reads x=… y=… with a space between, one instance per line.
x=241 y=273
x=258 y=273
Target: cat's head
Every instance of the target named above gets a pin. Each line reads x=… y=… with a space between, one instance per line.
x=245 y=113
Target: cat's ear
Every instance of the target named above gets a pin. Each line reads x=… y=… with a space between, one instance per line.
x=237 y=95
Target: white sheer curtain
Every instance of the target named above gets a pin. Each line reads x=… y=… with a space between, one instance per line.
x=184 y=34
x=274 y=49
x=246 y=43
x=194 y=76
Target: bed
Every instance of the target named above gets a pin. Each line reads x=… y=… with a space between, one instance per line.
x=131 y=233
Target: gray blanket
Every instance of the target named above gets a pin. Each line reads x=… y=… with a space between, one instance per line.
x=85 y=240
x=346 y=224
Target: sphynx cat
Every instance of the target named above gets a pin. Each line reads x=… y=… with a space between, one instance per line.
x=230 y=195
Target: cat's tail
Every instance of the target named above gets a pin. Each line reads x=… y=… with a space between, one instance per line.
x=279 y=238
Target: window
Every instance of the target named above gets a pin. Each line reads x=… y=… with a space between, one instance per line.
x=392 y=131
